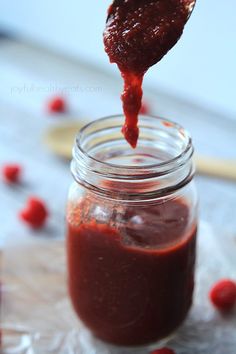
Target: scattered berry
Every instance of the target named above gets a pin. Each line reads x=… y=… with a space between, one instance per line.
x=223 y=295
x=145 y=109
x=35 y=213
x=163 y=351
x=11 y=173
x=57 y=105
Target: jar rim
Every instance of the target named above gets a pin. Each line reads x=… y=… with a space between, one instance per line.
x=101 y=141
x=186 y=152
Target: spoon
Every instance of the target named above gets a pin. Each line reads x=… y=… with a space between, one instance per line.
x=139 y=33
x=188 y=3
x=60 y=139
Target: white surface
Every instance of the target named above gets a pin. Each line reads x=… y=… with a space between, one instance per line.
x=200 y=68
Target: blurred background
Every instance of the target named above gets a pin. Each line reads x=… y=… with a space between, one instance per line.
x=54 y=71
x=201 y=67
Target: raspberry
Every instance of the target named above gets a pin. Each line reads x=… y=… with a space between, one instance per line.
x=11 y=173
x=57 y=105
x=145 y=109
x=163 y=351
x=35 y=213
x=223 y=294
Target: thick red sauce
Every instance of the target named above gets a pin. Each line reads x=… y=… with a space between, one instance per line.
x=131 y=284
x=138 y=34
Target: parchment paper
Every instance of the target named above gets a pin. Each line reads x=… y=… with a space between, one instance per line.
x=37 y=317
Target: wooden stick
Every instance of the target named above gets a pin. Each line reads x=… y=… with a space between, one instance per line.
x=60 y=140
x=216 y=167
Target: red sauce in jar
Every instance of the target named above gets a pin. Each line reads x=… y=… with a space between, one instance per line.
x=131 y=284
x=137 y=35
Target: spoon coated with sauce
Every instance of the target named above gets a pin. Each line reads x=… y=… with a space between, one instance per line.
x=138 y=34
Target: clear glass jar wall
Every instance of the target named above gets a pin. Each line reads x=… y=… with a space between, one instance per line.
x=132 y=224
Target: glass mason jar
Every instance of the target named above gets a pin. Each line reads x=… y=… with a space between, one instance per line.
x=132 y=223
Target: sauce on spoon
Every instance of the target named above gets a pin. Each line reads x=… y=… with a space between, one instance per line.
x=138 y=34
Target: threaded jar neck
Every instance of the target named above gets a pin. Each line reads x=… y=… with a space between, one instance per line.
x=105 y=163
